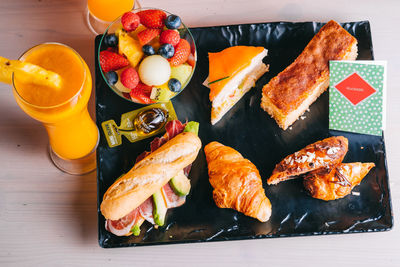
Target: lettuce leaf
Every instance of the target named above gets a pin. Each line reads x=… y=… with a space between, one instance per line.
x=192 y=126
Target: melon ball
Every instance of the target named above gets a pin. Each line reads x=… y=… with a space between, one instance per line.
x=154 y=70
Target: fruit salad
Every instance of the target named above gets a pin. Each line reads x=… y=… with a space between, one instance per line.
x=148 y=57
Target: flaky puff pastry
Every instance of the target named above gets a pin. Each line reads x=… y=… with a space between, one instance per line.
x=236 y=181
x=322 y=154
x=331 y=184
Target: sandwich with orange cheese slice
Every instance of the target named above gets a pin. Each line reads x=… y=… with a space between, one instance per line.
x=232 y=73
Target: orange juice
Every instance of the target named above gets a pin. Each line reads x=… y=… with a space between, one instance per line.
x=72 y=133
x=109 y=10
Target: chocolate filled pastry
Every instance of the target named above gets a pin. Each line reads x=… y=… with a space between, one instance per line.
x=322 y=154
x=331 y=184
x=320 y=164
x=292 y=91
x=236 y=181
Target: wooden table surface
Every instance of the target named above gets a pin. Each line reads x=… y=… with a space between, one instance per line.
x=50 y=218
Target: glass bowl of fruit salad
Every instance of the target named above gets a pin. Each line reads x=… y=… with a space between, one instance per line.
x=147 y=56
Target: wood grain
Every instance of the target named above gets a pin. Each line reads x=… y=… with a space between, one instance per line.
x=49 y=218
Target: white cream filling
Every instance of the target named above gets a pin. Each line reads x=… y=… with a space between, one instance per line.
x=234 y=83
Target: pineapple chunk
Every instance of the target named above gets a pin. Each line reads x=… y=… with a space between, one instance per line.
x=135 y=32
x=131 y=48
x=28 y=73
x=118 y=31
x=182 y=73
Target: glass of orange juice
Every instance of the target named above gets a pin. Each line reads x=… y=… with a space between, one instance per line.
x=102 y=12
x=73 y=136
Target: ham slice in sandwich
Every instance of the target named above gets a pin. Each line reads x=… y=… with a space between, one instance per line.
x=130 y=224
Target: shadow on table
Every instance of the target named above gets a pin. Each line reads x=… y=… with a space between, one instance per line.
x=85 y=208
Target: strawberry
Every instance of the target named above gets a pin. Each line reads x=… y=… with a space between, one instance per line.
x=170 y=37
x=112 y=49
x=153 y=19
x=112 y=61
x=182 y=51
x=129 y=78
x=147 y=35
x=130 y=21
x=191 y=60
x=141 y=93
x=126 y=95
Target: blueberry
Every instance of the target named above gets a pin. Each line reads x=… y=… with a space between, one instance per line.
x=166 y=50
x=148 y=50
x=111 y=40
x=174 y=85
x=173 y=22
x=112 y=77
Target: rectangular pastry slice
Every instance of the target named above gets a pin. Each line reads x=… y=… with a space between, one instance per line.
x=289 y=94
x=232 y=73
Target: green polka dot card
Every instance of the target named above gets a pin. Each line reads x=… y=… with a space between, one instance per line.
x=357 y=91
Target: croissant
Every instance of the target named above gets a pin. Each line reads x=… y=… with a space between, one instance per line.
x=331 y=184
x=236 y=181
x=322 y=154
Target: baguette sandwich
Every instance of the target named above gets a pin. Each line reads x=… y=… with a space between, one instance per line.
x=232 y=73
x=289 y=94
x=157 y=181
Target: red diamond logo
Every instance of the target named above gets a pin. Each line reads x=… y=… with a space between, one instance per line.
x=355 y=88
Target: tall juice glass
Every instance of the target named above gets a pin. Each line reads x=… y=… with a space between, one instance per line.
x=102 y=12
x=72 y=133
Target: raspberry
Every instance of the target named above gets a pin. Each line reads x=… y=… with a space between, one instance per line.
x=130 y=78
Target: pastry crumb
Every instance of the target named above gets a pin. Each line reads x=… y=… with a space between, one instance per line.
x=303 y=117
x=362 y=147
x=290 y=128
x=333 y=150
x=355 y=193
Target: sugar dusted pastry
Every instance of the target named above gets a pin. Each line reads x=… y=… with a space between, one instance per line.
x=330 y=184
x=232 y=73
x=322 y=154
x=292 y=91
x=236 y=181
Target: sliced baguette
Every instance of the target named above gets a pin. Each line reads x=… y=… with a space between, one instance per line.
x=149 y=175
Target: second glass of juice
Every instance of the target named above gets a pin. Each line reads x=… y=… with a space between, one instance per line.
x=73 y=135
x=102 y=12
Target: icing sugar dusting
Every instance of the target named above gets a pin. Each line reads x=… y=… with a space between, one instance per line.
x=332 y=150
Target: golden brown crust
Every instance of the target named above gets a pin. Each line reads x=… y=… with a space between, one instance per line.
x=291 y=87
x=331 y=184
x=322 y=154
x=149 y=175
x=236 y=181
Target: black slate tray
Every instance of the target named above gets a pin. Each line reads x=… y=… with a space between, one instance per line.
x=252 y=132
